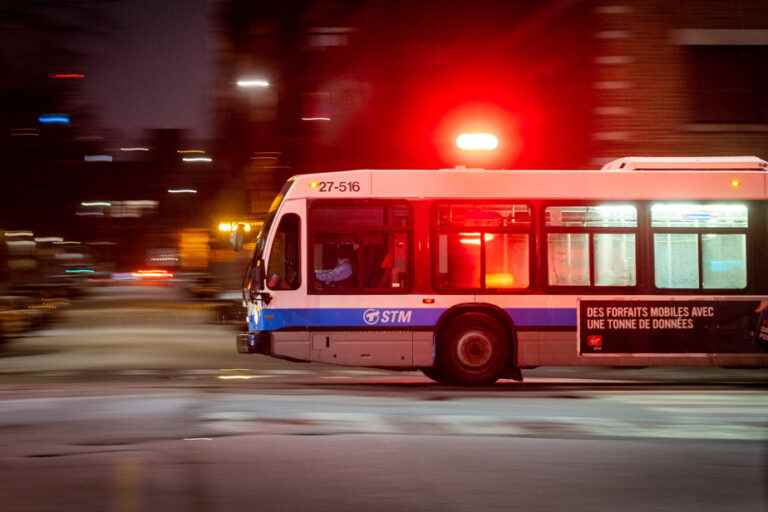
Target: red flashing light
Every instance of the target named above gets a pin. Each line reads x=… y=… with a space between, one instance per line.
x=477 y=142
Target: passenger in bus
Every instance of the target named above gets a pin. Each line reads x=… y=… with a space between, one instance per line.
x=342 y=272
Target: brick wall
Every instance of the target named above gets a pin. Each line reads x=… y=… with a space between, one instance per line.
x=643 y=100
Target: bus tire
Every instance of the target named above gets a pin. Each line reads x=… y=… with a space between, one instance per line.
x=473 y=350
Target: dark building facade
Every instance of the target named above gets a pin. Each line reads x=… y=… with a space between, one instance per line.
x=565 y=84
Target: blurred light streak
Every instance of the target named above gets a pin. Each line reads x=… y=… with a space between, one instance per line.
x=197 y=159
x=89 y=214
x=320 y=118
x=67 y=242
x=135 y=149
x=190 y=151
x=182 y=191
x=24 y=132
x=49 y=239
x=152 y=273
x=67 y=76
x=141 y=202
x=79 y=271
x=19 y=233
x=20 y=243
x=251 y=83
x=198 y=439
x=97 y=158
x=236 y=377
x=225 y=227
x=53 y=119
x=95 y=203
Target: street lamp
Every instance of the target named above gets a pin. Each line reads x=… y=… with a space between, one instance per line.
x=250 y=83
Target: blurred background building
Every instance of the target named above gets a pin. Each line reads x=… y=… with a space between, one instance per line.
x=314 y=85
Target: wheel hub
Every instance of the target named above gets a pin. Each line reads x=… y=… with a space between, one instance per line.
x=475 y=349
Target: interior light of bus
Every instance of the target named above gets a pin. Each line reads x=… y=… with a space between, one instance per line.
x=474 y=238
x=500 y=280
x=477 y=142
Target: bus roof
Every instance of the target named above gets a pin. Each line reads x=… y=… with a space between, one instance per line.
x=697 y=163
x=675 y=184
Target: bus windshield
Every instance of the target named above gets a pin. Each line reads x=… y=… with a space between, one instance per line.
x=261 y=238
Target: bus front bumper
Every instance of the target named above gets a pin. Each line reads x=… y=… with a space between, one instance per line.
x=254 y=343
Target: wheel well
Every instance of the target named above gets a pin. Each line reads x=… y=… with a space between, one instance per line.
x=492 y=311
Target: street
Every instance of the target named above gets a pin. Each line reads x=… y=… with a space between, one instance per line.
x=135 y=400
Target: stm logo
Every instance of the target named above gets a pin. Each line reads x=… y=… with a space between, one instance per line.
x=387 y=316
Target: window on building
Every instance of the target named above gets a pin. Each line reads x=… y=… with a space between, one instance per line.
x=591 y=245
x=728 y=84
x=283 y=270
x=700 y=245
x=362 y=247
x=483 y=246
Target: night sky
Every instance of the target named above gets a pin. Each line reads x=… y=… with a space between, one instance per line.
x=156 y=69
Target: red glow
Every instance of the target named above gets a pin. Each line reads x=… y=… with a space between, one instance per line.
x=595 y=341
x=67 y=76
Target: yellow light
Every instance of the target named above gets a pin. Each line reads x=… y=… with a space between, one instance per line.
x=500 y=280
x=190 y=151
x=474 y=241
x=225 y=227
x=735 y=183
x=247 y=228
x=314 y=184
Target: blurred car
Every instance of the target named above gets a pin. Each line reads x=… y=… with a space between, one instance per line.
x=20 y=313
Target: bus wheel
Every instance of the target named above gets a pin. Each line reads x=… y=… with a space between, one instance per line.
x=473 y=350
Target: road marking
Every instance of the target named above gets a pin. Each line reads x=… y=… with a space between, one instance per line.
x=243 y=377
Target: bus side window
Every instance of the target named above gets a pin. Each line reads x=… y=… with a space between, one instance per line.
x=359 y=246
x=700 y=245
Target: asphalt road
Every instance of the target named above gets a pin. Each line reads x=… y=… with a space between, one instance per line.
x=135 y=401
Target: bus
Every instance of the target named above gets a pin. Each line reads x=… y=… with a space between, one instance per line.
x=472 y=275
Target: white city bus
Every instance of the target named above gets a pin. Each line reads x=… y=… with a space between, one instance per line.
x=471 y=275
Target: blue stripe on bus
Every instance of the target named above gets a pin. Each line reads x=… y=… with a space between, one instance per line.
x=274 y=319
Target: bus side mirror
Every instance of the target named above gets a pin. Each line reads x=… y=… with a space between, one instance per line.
x=237 y=238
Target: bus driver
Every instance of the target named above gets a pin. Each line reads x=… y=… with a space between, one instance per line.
x=341 y=272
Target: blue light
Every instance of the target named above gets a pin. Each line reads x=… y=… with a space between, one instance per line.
x=53 y=119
